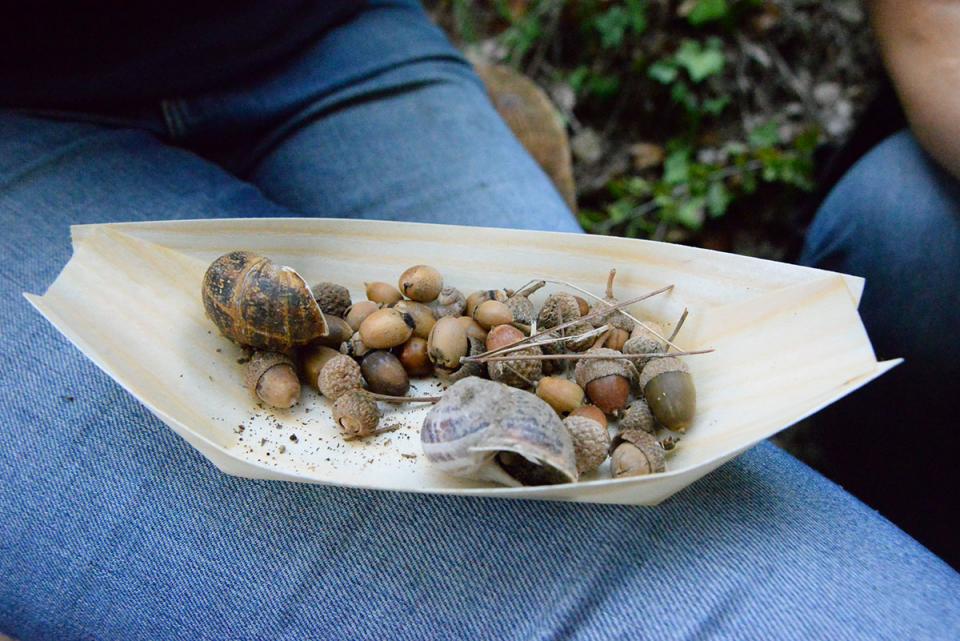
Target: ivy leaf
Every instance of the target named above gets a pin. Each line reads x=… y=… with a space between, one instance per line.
x=691 y=213
x=718 y=199
x=765 y=136
x=700 y=61
x=676 y=168
x=663 y=71
x=708 y=11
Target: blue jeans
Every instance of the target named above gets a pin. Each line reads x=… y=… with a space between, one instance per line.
x=895 y=219
x=112 y=527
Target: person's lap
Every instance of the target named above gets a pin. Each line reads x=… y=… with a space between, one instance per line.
x=113 y=527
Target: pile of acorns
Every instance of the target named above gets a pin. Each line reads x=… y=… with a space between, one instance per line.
x=359 y=353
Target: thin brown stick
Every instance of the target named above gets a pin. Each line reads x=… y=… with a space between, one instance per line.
x=386 y=398
x=607 y=303
x=600 y=342
x=586 y=355
x=379 y=430
x=589 y=316
x=549 y=341
x=522 y=327
x=676 y=329
x=610 y=277
x=530 y=288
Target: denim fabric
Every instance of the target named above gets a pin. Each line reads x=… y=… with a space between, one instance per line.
x=112 y=527
x=895 y=219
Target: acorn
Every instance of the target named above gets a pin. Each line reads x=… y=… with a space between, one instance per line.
x=339 y=375
x=382 y=293
x=591 y=441
x=615 y=318
x=558 y=309
x=469 y=368
x=638 y=417
x=338 y=332
x=616 y=338
x=421 y=283
x=667 y=386
x=450 y=302
x=476 y=298
x=491 y=313
x=312 y=359
x=521 y=306
x=519 y=373
x=561 y=394
x=385 y=374
x=414 y=358
x=606 y=381
x=501 y=336
x=355 y=347
x=356 y=413
x=447 y=343
x=576 y=344
x=584 y=305
x=357 y=312
x=591 y=411
x=271 y=377
x=386 y=328
x=423 y=318
x=636 y=453
x=472 y=327
x=333 y=299
x=643 y=341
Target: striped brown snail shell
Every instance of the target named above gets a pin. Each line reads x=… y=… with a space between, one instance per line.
x=261 y=304
x=486 y=431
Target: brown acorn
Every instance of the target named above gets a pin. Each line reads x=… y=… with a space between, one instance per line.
x=491 y=313
x=475 y=299
x=338 y=332
x=422 y=315
x=469 y=368
x=359 y=311
x=636 y=453
x=339 y=375
x=561 y=394
x=502 y=336
x=606 y=381
x=334 y=300
x=447 y=343
x=312 y=359
x=591 y=411
x=382 y=293
x=591 y=442
x=414 y=357
x=386 y=328
x=668 y=388
x=421 y=283
x=472 y=327
x=385 y=374
x=260 y=304
x=356 y=413
x=271 y=377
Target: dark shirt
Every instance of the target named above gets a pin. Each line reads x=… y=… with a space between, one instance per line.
x=81 y=53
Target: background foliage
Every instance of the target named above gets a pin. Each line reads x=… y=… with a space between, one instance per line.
x=693 y=121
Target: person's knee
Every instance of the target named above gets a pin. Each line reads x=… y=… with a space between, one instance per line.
x=894 y=202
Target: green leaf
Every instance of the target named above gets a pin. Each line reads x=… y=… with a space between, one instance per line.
x=578 y=78
x=765 y=136
x=691 y=213
x=612 y=26
x=701 y=61
x=718 y=199
x=715 y=106
x=603 y=86
x=637 y=10
x=663 y=71
x=676 y=167
x=708 y=11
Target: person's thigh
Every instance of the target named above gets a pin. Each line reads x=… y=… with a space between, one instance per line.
x=431 y=149
x=895 y=219
x=111 y=526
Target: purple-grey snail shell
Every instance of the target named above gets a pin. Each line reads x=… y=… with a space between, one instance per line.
x=487 y=431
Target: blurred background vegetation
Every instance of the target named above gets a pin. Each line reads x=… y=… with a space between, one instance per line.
x=695 y=121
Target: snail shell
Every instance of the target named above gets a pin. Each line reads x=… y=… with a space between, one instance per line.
x=258 y=303
x=486 y=431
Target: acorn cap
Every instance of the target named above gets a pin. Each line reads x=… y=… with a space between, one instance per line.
x=643 y=331
x=647 y=445
x=591 y=441
x=259 y=363
x=590 y=369
x=522 y=308
x=615 y=318
x=643 y=345
x=657 y=366
x=333 y=299
x=356 y=413
x=517 y=373
x=557 y=309
x=340 y=375
x=638 y=417
x=579 y=344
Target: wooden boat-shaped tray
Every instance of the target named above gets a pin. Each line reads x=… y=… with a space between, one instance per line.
x=788 y=340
